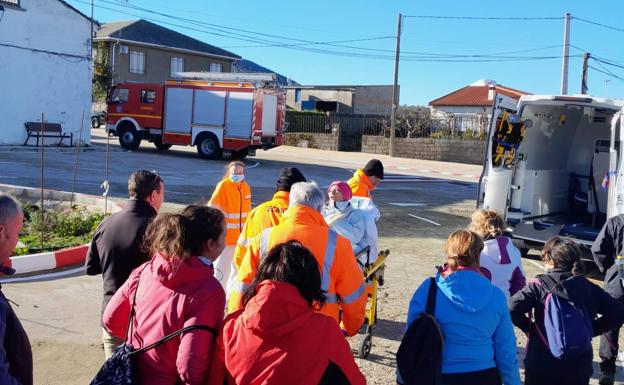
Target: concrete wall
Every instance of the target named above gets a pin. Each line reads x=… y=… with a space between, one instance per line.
x=439 y=112
x=448 y=150
x=373 y=100
x=318 y=141
x=344 y=97
x=158 y=64
x=34 y=82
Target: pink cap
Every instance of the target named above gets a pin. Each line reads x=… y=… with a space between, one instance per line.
x=344 y=189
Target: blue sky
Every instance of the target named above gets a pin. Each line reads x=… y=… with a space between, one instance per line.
x=421 y=81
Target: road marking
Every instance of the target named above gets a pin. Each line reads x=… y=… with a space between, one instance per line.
x=407 y=204
x=425 y=219
x=43 y=276
x=535 y=263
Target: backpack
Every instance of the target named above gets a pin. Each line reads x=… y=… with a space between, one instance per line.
x=419 y=358
x=568 y=325
x=119 y=369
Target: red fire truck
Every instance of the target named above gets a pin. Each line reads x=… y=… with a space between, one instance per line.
x=223 y=114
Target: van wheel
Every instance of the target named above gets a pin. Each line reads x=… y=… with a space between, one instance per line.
x=129 y=137
x=208 y=146
x=160 y=145
x=95 y=122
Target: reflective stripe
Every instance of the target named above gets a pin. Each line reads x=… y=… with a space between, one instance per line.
x=236 y=215
x=331 y=298
x=233 y=226
x=329 y=259
x=242 y=242
x=357 y=293
x=244 y=286
x=264 y=243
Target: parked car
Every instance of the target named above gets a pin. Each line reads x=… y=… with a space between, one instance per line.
x=98 y=119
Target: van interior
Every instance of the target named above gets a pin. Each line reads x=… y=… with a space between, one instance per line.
x=558 y=181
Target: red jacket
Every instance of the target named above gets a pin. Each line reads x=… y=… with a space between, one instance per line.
x=171 y=295
x=278 y=339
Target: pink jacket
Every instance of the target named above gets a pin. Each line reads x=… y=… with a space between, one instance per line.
x=171 y=295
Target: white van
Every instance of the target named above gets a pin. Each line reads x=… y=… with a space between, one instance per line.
x=554 y=166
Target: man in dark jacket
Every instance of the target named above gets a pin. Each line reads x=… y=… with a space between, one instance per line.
x=16 y=365
x=116 y=245
x=606 y=248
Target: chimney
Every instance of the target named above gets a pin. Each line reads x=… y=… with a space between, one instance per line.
x=491 y=89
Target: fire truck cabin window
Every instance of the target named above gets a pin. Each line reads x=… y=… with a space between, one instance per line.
x=148 y=96
x=120 y=96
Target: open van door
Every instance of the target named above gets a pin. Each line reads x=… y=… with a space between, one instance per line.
x=500 y=155
x=616 y=168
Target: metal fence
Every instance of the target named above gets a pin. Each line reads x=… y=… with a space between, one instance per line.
x=351 y=128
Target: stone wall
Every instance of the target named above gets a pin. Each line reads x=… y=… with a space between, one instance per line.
x=448 y=150
x=308 y=140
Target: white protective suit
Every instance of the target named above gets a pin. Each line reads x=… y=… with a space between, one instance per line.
x=357 y=223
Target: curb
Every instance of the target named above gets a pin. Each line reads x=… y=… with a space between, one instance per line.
x=49 y=260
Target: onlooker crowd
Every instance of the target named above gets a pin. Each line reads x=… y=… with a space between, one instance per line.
x=295 y=291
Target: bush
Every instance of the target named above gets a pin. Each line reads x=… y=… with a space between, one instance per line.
x=61 y=228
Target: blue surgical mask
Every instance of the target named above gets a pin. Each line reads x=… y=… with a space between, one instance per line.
x=341 y=205
x=237 y=178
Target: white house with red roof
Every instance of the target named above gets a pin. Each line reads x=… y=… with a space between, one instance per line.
x=471 y=103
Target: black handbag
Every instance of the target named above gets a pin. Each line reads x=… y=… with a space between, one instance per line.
x=119 y=369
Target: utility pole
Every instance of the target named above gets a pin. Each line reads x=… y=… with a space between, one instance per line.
x=584 y=76
x=566 y=55
x=395 y=88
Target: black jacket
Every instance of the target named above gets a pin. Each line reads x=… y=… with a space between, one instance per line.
x=609 y=243
x=16 y=364
x=576 y=289
x=115 y=249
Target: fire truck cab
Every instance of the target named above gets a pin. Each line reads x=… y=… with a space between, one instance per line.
x=222 y=114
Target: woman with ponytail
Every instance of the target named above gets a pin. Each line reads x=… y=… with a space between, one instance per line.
x=562 y=287
x=479 y=342
x=500 y=261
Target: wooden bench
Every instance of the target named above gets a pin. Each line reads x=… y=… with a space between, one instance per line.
x=50 y=130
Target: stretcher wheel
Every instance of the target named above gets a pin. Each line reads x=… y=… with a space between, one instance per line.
x=365 y=346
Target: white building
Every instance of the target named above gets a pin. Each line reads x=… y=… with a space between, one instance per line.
x=45 y=67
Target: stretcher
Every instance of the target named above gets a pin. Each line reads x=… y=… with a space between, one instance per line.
x=374 y=278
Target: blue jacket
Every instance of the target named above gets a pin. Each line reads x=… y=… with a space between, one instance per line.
x=475 y=322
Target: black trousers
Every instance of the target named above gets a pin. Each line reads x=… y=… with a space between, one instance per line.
x=543 y=379
x=481 y=377
x=609 y=347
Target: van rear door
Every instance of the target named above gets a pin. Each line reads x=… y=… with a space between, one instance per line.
x=500 y=156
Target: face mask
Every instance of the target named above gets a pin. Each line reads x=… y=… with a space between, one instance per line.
x=236 y=178
x=341 y=205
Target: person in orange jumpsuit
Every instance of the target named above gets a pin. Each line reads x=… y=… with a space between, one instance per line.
x=366 y=179
x=341 y=278
x=233 y=197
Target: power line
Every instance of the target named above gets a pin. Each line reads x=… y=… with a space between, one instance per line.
x=608 y=63
x=598 y=24
x=481 y=18
x=54 y=53
x=608 y=73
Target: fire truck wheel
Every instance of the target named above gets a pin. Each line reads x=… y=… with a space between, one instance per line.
x=160 y=145
x=95 y=122
x=241 y=154
x=208 y=147
x=129 y=137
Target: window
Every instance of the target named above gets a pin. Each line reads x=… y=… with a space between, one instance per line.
x=119 y=96
x=297 y=95
x=177 y=65
x=13 y=2
x=137 y=62
x=216 y=67
x=148 y=96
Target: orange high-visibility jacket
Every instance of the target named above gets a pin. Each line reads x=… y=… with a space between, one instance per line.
x=265 y=215
x=360 y=185
x=234 y=199
x=341 y=278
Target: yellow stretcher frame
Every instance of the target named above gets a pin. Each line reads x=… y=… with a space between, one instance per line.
x=373 y=277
